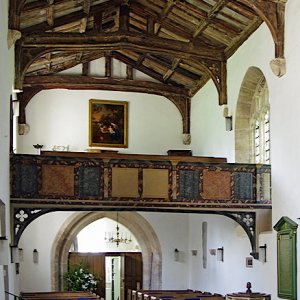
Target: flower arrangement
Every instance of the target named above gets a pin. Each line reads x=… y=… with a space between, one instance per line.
x=78 y=278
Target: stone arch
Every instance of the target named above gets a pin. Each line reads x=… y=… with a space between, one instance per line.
x=249 y=85
x=141 y=229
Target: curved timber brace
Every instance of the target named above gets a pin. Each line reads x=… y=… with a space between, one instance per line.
x=248 y=221
x=24 y=99
x=24 y=57
x=272 y=12
x=183 y=103
x=22 y=217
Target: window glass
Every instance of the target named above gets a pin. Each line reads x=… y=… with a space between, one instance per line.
x=260 y=120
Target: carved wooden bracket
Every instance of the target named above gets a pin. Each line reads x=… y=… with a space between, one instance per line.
x=272 y=12
x=218 y=73
x=183 y=103
x=24 y=57
x=24 y=99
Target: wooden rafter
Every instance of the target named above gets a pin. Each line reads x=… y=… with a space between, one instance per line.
x=50 y=13
x=72 y=17
x=61 y=62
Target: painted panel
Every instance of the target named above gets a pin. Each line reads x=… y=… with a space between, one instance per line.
x=89 y=181
x=124 y=182
x=57 y=180
x=216 y=185
x=26 y=181
x=243 y=185
x=155 y=183
x=189 y=183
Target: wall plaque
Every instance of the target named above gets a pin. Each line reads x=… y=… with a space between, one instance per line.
x=286 y=258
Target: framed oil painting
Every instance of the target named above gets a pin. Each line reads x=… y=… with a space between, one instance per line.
x=108 y=123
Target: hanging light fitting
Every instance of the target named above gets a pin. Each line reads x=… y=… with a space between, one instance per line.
x=117 y=237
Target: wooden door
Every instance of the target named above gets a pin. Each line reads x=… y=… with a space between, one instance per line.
x=133 y=271
x=95 y=263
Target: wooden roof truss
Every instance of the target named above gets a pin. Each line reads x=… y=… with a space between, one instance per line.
x=180 y=44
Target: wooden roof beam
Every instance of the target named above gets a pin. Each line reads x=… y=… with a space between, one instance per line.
x=83 y=25
x=167 y=9
x=137 y=66
x=85 y=69
x=31 y=47
x=86 y=6
x=124 y=17
x=210 y=16
x=138 y=42
x=129 y=72
x=81 y=58
x=108 y=65
x=34 y=84
x=77 y=82
x=72 y=17
x=50 y=13
x=170 y=72
x=48 y=64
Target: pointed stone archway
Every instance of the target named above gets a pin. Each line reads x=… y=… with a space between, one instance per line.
x=140 y=228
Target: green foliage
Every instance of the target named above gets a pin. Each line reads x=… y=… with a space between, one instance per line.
x=78 y=278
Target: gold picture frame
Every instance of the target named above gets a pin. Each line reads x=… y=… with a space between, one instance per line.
x=108 y=123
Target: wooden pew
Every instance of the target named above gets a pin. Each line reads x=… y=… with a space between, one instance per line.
x=173 y=295
x=69 y=295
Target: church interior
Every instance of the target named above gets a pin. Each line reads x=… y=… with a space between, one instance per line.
x=153 y=143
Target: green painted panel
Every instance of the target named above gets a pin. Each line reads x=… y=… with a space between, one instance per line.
x=286 y=258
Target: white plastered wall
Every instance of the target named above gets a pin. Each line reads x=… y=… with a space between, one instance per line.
x=60 y=117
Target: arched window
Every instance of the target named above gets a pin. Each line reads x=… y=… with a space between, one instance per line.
x=252 y=124
x=260 y=124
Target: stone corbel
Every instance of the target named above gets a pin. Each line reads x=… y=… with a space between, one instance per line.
x=278 y=66
x=186 y=138
x=23 y=129
x=12 y=37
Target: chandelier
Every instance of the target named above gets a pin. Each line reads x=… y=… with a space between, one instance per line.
x=117 y=237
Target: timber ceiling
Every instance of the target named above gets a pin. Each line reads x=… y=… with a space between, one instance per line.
x=181 y=44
